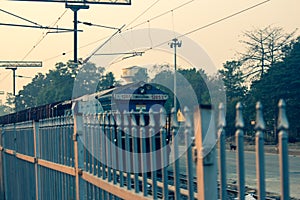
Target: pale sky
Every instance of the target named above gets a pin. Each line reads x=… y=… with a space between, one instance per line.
x=220 y=41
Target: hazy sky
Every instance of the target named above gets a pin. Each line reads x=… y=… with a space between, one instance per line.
x=220 y=41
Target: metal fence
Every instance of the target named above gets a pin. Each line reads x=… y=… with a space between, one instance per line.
x=131 y=156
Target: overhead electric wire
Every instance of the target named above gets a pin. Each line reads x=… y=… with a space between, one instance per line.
x=147 y=9
x=91 y=24
x=160 y=15
x=212 y=23
x=164 y=13
x=5 y=76
x=119 y=30
x=44 y=35
x=203 y=27
x=91 y=43
x=27 y=20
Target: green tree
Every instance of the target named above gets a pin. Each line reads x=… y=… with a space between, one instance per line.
x=282 y=81
x=58 y=84
x=4 y=110
x=190 y=83
x=235 y=90
x=264 y=47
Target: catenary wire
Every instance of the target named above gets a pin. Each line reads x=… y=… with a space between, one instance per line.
x=147 y=9
x=22 y=18
x=44 y=35
x=203 y=27
x=160 y=15
x=210 y=24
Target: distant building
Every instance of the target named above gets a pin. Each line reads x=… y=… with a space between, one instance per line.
x=134 y=74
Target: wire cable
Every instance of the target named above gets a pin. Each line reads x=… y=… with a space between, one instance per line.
x=212 y=23
x=5 y=76
x=44 y=35
x=147 y=9
x=22 y=18
x=203 y=27
x=160 y=15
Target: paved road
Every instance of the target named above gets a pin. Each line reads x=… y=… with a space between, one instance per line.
x=271 y=171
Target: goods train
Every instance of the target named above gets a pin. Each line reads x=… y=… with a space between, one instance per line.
x=138 y=96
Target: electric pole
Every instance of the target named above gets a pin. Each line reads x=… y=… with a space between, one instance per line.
x=174 y=44
x=13 y=65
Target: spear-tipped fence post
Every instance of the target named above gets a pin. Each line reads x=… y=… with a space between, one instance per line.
x=136 y=158
x=143 y=153
x=103 y=145
x=259 y=150
x=239 y=137
x=113 y=145
x=189 y=156
x=174 y=124
x=152 y=136
x=120 y=152
x=127 y=147
x=108 y=145
x=164 y=147
x=283 y=126
x=222 y=151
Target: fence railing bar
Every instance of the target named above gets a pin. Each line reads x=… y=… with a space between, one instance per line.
x=222 y=152
x=108 y=146
x=108 y=186
x=127 y=148
x=259 y=150
x=119 y=140
x=239 y=137
x=26 y=157
x=153 y=151
x=189 y=157
x=143 y=153
x=103 y=146
x=57 y=167
x=135 y=154
x=164 y=158
x=174 y=133
x=283 y=126
x=113 y=147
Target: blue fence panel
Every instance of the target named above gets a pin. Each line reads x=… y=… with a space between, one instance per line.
x=24 y=138
x=8 y=137
x=55 y=140
x=56 y=185
x=19 y=178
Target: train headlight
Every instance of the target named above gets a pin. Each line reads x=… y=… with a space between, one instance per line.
x=142 y=90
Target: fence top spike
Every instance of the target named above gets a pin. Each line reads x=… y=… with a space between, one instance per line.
x=239 y=121
x=259 y=122
x=106 y=119
x=95 y=118
x=112 y=119
x=222 y=119
x=151 y=118
x=174 y=121
x=162 y=117
x=125 y=120
x=101 y=118
x=142 y=119
x=118 y=118
x=283 y=123
x=187 y=114
x=133 y=120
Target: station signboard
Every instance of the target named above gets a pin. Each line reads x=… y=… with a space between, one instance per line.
x=140 y=96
